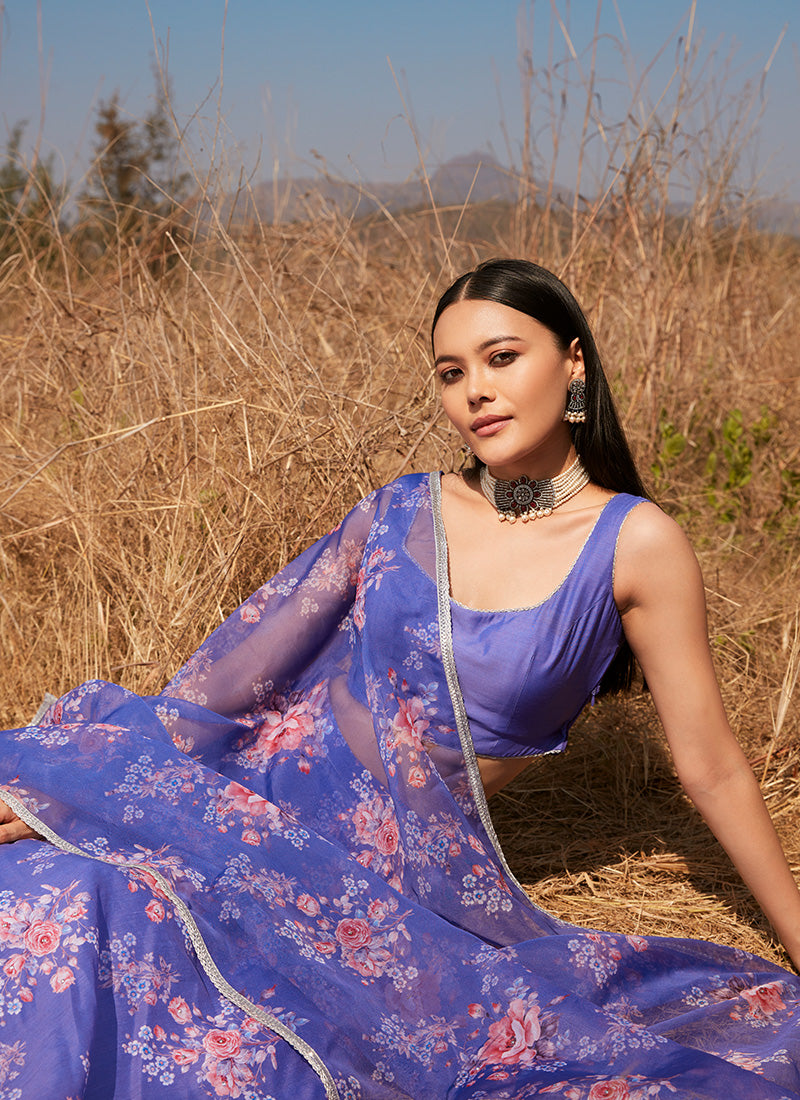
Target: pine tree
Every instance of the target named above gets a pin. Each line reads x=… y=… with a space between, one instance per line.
x=135 y=183
x=29 y=202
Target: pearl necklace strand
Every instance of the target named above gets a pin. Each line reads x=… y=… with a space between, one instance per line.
x=521 y=498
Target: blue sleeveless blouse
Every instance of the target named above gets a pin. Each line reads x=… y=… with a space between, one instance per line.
x=526 y=674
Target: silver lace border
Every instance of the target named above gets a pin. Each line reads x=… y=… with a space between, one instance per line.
x=451 y=675
x=198 y=943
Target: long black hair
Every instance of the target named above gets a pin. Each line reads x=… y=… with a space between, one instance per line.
x=600 y=442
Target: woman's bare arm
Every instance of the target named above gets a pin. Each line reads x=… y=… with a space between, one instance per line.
x=659 y=591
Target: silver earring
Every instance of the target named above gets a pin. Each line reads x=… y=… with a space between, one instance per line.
x=576 y=402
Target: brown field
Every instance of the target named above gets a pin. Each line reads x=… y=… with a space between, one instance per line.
x=184 y=414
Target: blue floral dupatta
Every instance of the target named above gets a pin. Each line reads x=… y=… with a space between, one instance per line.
x=279 y=878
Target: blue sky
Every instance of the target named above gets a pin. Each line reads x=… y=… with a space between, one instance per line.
x=306 y=75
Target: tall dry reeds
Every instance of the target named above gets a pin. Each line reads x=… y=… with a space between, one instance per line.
x=184 y=414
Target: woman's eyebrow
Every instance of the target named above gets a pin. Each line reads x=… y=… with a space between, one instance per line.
x=481 y=347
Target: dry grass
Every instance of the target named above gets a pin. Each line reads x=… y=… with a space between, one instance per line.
x=183 y=417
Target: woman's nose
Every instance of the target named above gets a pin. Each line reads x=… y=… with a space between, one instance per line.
x=479 y=388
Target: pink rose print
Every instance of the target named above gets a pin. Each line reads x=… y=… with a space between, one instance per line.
x=416 y=777
x=308 y=905
x=284 y=731
x=185 y=1057
x=371 y=573
x=373 y=963
x=228 y=1058
x=250 y=836
x=62 y=979
x=638 y=943
x=387 y=836
x=376 y=825
x=764 y=999
x=75 y=911
x=222 y=1044
x=155 y=911
x=179 y=1010
x=353 y=932
x=512 y=1038
x=409 y=724
x=246 y=802
x=13 y=966
x=7 y=923
x=42 y=937
x=226 y=1080
x=249 y=613
x=364 y=820
x=141 y=874
x=616 y=1089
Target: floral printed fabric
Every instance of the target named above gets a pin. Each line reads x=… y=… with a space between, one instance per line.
x=291 y=814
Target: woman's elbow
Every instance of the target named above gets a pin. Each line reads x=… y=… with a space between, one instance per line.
x=711 y=780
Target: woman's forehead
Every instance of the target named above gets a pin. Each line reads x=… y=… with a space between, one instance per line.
x=475 y=321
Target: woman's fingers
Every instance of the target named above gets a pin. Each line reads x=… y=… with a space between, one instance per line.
x=11 y=827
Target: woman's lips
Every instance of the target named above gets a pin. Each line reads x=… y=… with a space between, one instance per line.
x=489 y=425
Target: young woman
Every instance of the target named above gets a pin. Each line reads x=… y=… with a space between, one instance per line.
x=280 y=877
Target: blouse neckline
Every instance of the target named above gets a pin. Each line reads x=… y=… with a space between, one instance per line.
x=438 y=517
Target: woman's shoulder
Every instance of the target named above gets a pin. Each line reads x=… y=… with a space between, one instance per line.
x=407 y=486
x=410 y=491
x=409 y=482
x=653 y=553
x=648 y=528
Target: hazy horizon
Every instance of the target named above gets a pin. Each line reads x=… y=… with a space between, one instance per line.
x=365 y=91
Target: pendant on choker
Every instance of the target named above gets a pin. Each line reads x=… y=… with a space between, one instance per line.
x=524 y=499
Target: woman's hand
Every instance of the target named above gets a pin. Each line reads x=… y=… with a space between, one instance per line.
x=12 y=828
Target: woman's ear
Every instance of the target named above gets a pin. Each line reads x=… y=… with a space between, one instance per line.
x=575 y=353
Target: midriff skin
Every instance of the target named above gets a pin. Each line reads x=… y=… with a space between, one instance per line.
x=495 y=774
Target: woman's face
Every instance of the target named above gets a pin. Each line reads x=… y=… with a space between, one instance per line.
x=504 y=386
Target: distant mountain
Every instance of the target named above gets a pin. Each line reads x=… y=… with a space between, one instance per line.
x=778 y=216
x=476 y=177
x=449 y=184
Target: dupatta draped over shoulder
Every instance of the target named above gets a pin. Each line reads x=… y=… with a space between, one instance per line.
x=279 y=878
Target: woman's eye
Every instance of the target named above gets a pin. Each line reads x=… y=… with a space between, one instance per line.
x=500 y=358
x=449 y=375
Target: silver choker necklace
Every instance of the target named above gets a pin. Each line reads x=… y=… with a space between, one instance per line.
x=524 y=499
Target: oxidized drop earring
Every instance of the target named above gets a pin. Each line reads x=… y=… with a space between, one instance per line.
x=576 y=402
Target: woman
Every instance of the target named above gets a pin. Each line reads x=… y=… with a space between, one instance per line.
x=280 y=877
